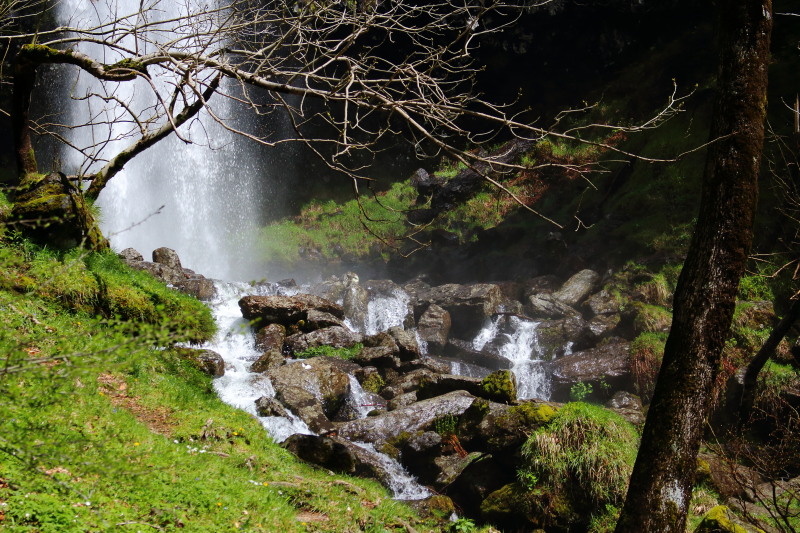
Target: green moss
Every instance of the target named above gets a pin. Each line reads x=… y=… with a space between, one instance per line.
x=500 y=386
x=330 y=351
x=533 y=414
x=717 y=520
x=651 y=318
x=373 y=383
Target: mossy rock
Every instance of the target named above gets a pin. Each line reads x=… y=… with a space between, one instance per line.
x=720 y=520
x=533 y=415
x=373 y=383
x=514 y=507
x=52 y=211
x=500 y=386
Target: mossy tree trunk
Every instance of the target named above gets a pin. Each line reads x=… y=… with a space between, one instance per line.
x=661 y=484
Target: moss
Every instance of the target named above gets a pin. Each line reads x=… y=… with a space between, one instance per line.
x=718 y=520
x=532 y=414
x=652 y=318
x=500 y=386
x=373 y=383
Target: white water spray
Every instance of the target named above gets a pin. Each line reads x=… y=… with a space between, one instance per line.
x=199 y=198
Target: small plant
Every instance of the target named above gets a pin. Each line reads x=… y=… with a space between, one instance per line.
x=445 y=425
x=330 y=351
x=373 y=383
x=463 y=525
x=580 y=391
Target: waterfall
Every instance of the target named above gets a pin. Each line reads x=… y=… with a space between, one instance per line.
x=210 y=187
x=516 y=339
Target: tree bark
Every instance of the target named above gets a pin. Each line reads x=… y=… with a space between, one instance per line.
x=754 y=367
x=661 y=484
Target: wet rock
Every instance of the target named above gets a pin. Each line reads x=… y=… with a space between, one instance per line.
x=286 y=310
x=500 y=386
x=468 y=305
x=325 y=378
x=412 y=418
x=335 y=337
x=604 y=367
x=354 y=406
x=271 y=337
x=266 y=406
x=402 y=400
x=451 y=466
x=434 y=327
x=411 y=381
x=379 y=357
x=434 y=364
x=578 y=287
x=382 y=340
x=463 y=351
x=407 y=347
x=338 y=455
x=501 y=429
x=197 y=286
x=306 y=406
x=268 y=361
x=208 y=361
x=720 y=519
x=557 y=337
x=316 y=319
x=437 y=506
x=602 y=326
x=439 y=384
x=355 y=301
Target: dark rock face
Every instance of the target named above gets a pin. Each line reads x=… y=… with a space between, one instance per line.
x=266 y=406
x=286 y=310
x=306 y=406
x=325 y=376
x=268 y=361
x=434 y=327
x=609 y=364
x=469 y=305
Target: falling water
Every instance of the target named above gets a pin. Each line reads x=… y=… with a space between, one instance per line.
x=199 y=197
x=518 y=342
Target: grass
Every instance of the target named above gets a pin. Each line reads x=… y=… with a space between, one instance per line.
x=100 y=430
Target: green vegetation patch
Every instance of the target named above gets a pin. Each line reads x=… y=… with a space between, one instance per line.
x=330 y=351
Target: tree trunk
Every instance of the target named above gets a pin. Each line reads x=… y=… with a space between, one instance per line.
x=661 y=484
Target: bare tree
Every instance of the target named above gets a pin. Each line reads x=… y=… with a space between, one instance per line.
x=368 y=71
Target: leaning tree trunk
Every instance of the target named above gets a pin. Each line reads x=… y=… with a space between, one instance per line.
x=661 y=484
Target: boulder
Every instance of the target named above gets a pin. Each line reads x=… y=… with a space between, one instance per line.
x=379 y=356
x=286 y=310
x=578 y=287
x=268 y=361
x=538 y=285
x=266 y=406
x=603 y=303
x=501 y=429
x=402 y=400
x=411 y=418
x=407 y=347
x=433 y=328
x=449 y=467
x=335 y=337
x=478 y=479
x=558 y=337
x=338 y=455
x=628 y=406
x=720 y=519
x=305 y=406
x=546 y=305
x=271 y=337
x=602 y=326
x=325 y=378
x=198 y=286
x=316 y=319
x=439 y=384
x=208 y=361
x=605 y=367
x=130 y=254
x=463 y=351
x=168 y=258
x=469 y=305
x=499 y=386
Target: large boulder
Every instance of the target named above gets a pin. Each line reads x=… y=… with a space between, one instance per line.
x=433 y=328
x=412 y=418
x=286 y=310
x=305 y=406
x=578 y=287
x=606 y=367
x=406 y=341
x=562 y=336
x=326 y=378
x=268 y=361
x=335 y=337
x=267 y=406
x=338 y=455
x=271 y=337
x=501 y=429
x=469 y=305
x=207 y=361
x=465 y=352
x=546 y=305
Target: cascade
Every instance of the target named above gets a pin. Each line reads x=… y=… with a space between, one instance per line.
x=209 y=188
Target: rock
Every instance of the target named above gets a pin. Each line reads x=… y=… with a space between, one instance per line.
x=411 y=381
x=468 y=305
x=514 y=508
x=499 y=386
x=433 y=328
x=379 y=357
x=402 y=400
x=130 y=254
x=355 y=302
x=208 y=361
x=546 y=305
x=434 y=364
x=316 y=319
x=286 y=310
x=451 y=466
x=501 y=429
x=306 y=406
x=628 y=406
x=408 y=348
x=436 y=506
x=604 y=367
x=602 y=326
x=266 y=406
x=538 y=285
x=721 y=520
x=271 y=337
x=354 y=406
x=268 y=361
x=338 y=455
x=198 y=286
x=167 y=257
x=479 y=479
x=439 y=384
x=463 y=351
x=412 y=418
x=731 y=480
x=425 y=184
x=326 y=378
x=578 y=287
x=603 y=303
x=335 y=337
x=557 y=337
